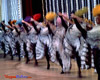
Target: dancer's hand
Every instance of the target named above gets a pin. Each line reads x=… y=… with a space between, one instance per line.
x=60 y=14
x=73 y=16
x=32 y=19
x=23 y=21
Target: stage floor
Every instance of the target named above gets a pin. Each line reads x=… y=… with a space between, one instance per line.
x=10 y=69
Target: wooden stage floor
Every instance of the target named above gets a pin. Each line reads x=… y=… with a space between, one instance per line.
x=13 y=68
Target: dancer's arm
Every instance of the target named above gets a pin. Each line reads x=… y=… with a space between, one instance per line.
x=60 y=14
x=26 y=23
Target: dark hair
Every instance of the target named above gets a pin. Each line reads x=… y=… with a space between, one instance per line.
x=3 y=28
x=9 y=22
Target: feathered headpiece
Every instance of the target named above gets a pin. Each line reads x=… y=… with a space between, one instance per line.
x=37 y=16
x=28 y=19
x=88 y=21
x=13 y=21
x=50 y=16
x=96 y=10
x=81 y=11
x=19 y=21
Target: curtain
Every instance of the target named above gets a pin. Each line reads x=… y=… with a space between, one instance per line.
x=11 y=9
x=27 y=8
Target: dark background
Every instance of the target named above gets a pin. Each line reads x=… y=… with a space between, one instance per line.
x=31 y=7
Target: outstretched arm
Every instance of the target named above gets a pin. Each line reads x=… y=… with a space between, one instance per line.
x=60 y=14
x=26 y=23
x=52 y=27
x=35 y=27
x=83 y=20
x=3 y=28
x=63 y=23
x=50 y=31
x=25 y=27
x=78 y=18
x=36 y=22
x=84 y=32
x=15 y=27
x=7 y=26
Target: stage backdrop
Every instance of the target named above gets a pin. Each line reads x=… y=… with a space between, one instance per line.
x=31 y=7
x=11 y=9
x=69 y=5
x=16 y=9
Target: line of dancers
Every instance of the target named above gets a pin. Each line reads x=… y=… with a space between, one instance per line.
x=73 y=37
